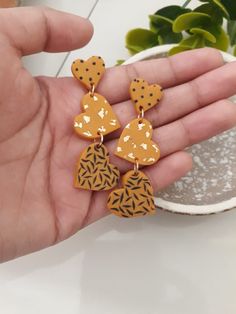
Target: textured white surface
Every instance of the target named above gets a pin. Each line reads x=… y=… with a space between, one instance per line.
x=167 y=264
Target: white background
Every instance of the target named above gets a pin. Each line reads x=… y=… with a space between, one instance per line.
x=161 y=264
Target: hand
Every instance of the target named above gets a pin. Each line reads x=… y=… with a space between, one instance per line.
x=38 y=148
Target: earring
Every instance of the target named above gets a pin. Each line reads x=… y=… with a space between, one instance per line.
x=93 y=170
x=135 y=198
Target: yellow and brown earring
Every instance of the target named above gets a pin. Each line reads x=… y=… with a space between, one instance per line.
x=135 y=198
x=93 y=169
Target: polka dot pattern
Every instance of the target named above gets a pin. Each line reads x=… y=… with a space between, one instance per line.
x=88 y=72
x=143 y=95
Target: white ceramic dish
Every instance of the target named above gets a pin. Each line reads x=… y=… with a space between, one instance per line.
x=211 y=186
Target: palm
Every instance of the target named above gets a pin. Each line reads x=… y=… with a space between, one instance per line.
x=38 y=147
x=36 y=166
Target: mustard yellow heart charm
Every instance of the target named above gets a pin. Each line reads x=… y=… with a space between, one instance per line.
x=135 y=144
x=135 y=198
x=98 y=117
x=94 y=170
x=88 y=72
x=143 y=95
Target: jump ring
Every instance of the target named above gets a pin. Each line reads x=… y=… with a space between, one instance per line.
x=101 y=139
x=136 y=166
x=91 y=92
x=141 y=113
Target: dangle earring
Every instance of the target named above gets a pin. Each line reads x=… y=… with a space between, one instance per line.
x=135 y=198
x=93 y=170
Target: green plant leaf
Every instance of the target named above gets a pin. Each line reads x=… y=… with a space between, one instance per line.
x=165 y=16
x=234 y=51
x=222 y=39
x=213 y=11
x=172 y=11
x=169 y=37
x=227 y=7
x=119 y=62
x=230 y=6
x=140 y=39
x=178 y=49
x=194 y=41
x=133 y=49
x=161 y=22
x=231 y=28
x=157 y=22
x=221 y=7
x=207 y=35
x=190 y=20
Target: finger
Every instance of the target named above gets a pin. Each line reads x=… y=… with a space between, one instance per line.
x=168 y=170
x=181 y=100
x=193 y=128
x=177 y=102
x=35 y=29
x=196 y=127
x=115 y=84
x=165 y=71
x=162 y=174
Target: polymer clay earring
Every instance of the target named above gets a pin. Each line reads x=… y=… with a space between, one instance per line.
x=93 y=169
x=135 y=198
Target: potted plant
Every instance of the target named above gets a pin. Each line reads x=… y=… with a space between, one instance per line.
x=187 y=28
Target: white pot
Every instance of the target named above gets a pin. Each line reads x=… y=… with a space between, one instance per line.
x=216 y=192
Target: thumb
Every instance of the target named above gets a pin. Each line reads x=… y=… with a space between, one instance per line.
x=35 y=29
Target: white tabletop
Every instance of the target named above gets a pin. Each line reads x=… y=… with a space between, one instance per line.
x=167 y=264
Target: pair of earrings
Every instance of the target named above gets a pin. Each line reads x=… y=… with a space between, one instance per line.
x=94 y=170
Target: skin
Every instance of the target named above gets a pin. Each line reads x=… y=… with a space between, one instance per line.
x=38 y=148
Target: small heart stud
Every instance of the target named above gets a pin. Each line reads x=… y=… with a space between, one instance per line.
x=143 y=95
x=88 y=72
